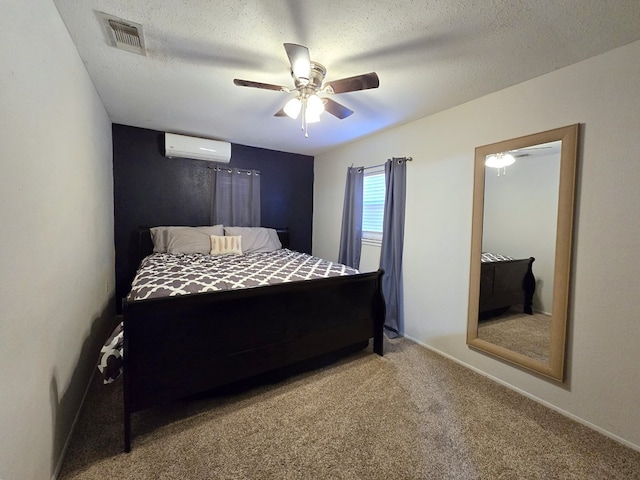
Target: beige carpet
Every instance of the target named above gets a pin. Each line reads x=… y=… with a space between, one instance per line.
x=527 y=334
x=410 y=415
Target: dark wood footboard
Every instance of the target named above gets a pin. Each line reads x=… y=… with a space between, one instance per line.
x=507 y=283
x=179 y=346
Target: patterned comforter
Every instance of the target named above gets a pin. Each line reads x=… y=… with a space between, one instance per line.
x=163 y=274
x=494 y=257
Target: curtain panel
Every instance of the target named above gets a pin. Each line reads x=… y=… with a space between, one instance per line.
x=393 y=244
x=351 y=232
x=235 y=197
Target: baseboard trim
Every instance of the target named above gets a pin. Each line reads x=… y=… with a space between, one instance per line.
x=63 y=453
x=565 y=413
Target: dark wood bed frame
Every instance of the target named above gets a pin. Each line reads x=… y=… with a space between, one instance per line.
x=506 y=283
x=175 y=347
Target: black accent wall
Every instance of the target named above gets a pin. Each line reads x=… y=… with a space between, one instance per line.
x=150 y=190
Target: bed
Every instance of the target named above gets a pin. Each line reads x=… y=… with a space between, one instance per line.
x=505 y=282
x=184 y=344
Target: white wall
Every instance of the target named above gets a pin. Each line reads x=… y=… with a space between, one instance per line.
x=56 y=212
x=602 y=387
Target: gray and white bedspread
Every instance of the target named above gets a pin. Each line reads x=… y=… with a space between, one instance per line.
x=494 y=257
x=110 y=362
x=163 y=275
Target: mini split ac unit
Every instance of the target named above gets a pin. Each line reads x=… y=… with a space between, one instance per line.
x=197 y=148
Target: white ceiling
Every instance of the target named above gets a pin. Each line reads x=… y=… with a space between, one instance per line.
x=430 y=55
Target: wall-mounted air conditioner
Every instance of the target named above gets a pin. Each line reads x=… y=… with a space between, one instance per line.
x=197 y=148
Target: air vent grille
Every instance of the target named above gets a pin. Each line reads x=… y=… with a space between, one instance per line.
x=123 y=34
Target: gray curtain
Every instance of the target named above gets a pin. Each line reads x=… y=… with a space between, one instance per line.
x=392 y=244
x=351 y=233
x=235 y=197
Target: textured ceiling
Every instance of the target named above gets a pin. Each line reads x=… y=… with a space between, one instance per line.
x=429 y=55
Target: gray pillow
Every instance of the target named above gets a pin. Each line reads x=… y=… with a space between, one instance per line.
x=184 y=240
x=256 y=239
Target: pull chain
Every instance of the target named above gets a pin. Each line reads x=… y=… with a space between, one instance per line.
x=304 y=118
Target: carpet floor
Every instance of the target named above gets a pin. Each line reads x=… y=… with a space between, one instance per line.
x=411 y=414
x=529 y=335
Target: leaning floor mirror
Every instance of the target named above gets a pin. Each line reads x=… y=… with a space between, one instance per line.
x=521 y=246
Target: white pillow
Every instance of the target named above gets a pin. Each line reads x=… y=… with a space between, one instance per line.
x=256 y=239
x=183 y=239
x=221 y=245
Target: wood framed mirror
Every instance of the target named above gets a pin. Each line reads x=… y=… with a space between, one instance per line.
x=523 y=204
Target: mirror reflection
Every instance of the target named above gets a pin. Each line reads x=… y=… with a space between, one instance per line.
x=518 y=248
x=521 y=249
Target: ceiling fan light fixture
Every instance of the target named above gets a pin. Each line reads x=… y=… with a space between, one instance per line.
x=292 y=107
x=508 y=159
x=491 y=161
x=499 y=160
x=311 y=118
x=315 y=106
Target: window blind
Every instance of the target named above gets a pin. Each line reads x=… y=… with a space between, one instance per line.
x=373 y=205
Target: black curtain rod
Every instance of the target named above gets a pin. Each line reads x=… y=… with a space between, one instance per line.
x=230 y=170
x=408 y=159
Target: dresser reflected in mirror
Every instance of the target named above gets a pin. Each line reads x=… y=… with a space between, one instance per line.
x=521 y=249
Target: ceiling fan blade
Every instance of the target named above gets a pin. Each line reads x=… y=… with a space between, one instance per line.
x=336 y=109
x=265 y=86
x=280 y=113
x=351 y=84
x=299 y=60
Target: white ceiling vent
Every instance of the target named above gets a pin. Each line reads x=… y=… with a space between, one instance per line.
x=123 y=34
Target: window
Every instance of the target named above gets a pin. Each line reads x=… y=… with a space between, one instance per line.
x=373 y=205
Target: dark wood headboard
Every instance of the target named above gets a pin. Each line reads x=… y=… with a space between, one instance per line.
x=145 y=244
x=283 y=235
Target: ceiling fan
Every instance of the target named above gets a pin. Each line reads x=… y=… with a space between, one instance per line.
x=308 y=77
x=529 y=151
